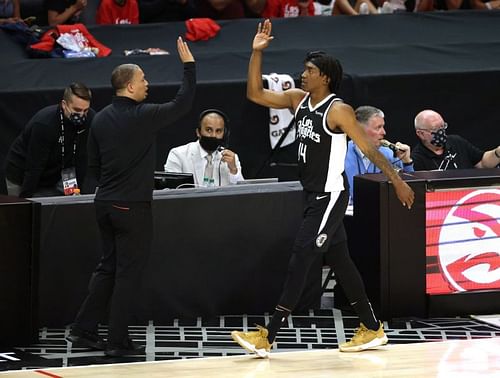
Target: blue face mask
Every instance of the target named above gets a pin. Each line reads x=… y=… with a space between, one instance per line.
x=439 y=138
x=77 y=119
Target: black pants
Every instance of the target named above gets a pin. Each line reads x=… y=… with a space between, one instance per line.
x=126 y=233
x=322 y=236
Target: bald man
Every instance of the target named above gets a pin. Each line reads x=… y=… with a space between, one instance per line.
x=208 y=158
x=437 y=150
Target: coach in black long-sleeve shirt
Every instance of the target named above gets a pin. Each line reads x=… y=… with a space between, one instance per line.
x=122 y=161
x=121 y=145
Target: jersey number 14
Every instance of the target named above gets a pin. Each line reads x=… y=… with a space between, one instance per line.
x=302 y=152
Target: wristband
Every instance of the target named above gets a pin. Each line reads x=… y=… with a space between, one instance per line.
x=411 y=162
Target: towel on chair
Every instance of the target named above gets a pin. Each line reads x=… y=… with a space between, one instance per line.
x=279 y=119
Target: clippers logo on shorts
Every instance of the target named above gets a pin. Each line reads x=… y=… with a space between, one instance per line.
x=463 y=240
x=321 y=239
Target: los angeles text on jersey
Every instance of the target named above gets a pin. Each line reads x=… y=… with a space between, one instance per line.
x=305 y=129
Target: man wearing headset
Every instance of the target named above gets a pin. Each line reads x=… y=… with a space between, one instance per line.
x=208 y=159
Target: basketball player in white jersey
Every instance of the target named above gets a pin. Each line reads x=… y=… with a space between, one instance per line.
x=323 y=121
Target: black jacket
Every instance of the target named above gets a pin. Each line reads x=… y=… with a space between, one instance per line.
x=34 y=160
x=122 y=155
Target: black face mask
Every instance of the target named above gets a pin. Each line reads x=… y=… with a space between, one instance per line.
x=210 y=144
x=77 y=119
x=439 y=138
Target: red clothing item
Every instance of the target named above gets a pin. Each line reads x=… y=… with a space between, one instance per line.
x=286 y=8
x=111 y=13
x=201 y=29
x=48 y=40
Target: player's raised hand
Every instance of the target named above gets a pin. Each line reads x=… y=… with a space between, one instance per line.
x=263 y=36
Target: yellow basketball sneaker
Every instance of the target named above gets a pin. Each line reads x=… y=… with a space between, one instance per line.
x=254 y=341
x=365 y=338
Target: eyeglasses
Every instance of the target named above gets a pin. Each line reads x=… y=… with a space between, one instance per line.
x=443 y=127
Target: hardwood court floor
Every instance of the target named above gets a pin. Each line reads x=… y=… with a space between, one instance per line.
x=455 y=359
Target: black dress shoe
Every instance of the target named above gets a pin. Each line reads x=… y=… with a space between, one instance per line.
x=81 y=338
x=130 y=349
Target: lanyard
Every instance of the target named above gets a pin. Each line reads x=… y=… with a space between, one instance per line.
x=61 y=141
x=449 y=158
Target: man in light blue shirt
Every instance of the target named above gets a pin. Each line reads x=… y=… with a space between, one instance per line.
x=356 y=163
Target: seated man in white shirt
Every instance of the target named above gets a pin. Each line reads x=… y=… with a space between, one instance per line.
x=207 y=159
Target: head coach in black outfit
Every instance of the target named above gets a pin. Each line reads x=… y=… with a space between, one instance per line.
x=122 y=159
x=55 y=139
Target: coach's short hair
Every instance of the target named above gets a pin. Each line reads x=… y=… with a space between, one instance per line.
x=122 y=75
